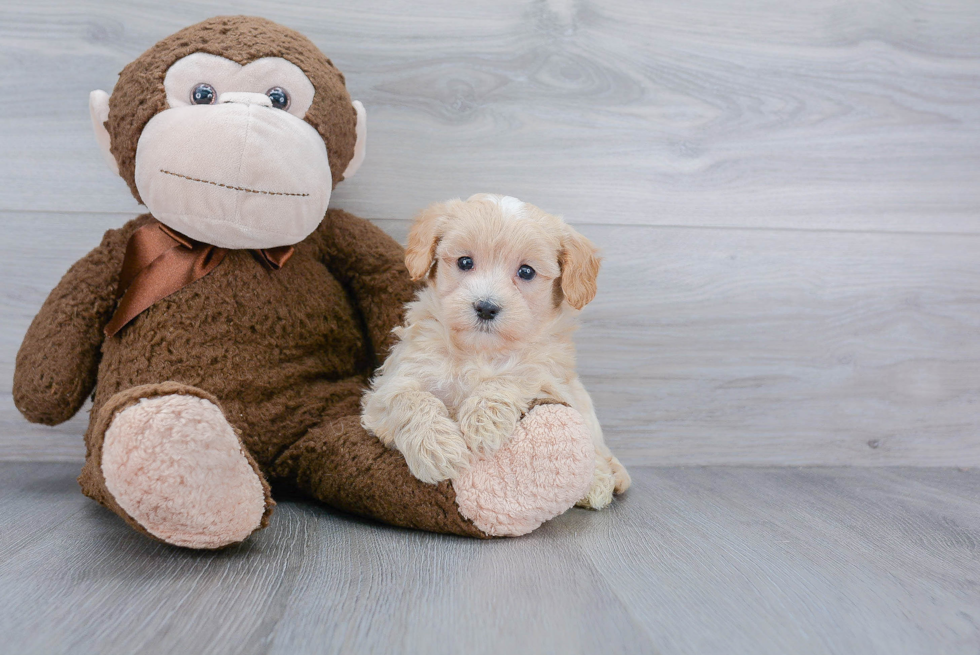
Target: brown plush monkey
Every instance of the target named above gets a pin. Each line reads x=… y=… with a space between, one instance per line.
x=229 y=333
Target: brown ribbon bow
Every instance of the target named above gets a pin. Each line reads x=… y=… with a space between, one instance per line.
x=160 y=261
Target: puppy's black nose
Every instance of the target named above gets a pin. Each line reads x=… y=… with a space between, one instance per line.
x=486 y=310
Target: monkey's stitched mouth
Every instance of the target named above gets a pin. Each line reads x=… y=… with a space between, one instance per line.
x=235 y=188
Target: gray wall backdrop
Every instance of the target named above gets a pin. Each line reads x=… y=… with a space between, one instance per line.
x=786 y=194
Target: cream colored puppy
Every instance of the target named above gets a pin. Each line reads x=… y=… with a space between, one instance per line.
x=489 y=335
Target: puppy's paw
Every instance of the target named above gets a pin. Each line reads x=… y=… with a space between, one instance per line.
x=620 y=475
x=434 y=452
x=610 y=478
x=600 y=493
x=487 y=423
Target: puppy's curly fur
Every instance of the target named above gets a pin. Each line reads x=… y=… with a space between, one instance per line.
x=488 y=336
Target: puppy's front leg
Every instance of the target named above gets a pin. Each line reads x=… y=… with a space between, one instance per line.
x=417 y=424
x=490 y=415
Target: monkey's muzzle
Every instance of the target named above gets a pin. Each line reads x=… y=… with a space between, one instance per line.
x=235 y=175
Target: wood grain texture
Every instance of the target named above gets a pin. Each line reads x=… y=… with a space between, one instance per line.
x=693 y=560
x=847 y=114
x=704 y=346
x=786 y=196
x=722 y=346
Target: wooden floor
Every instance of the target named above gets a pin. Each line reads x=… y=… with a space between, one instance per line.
x=787 y=196
x=693 y=560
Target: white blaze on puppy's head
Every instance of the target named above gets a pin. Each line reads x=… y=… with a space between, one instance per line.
x=509 y=205
x=501 y=270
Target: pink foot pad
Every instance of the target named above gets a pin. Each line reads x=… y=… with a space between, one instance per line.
x=176 y=466
x=542 y=470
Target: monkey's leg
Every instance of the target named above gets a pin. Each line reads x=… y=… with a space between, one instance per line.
x=164 y=457
x=342 y=465
x=540 y=472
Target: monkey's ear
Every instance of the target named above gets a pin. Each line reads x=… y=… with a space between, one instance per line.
x=360 y=147
x=423 y=237
x=98 y=109
x=579 y=268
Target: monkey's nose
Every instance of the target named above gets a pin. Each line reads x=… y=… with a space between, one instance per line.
x=486 y=310
x=243 y=98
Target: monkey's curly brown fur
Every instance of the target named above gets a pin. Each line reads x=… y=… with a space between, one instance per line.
x=242 y=39
x=285 y=354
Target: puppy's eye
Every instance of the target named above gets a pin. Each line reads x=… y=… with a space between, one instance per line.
x=525 y=272
x=278 y=96
x=203 y=94
x=465 y=263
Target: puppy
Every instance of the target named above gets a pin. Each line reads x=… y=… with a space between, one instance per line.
x=488 y=337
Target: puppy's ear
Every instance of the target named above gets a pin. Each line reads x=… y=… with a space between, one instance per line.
x=579 y=268
x=423 y=238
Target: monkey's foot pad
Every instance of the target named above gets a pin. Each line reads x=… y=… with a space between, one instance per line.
x=544 y=469
x=176 y=466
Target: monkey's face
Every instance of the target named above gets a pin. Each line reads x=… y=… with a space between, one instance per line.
x=243 y=142
x=232 y=162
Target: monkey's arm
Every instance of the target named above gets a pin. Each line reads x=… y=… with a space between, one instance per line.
x=59 y=357
x=371 y=265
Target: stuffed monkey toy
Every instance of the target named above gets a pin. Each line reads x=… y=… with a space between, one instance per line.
x=226 y=337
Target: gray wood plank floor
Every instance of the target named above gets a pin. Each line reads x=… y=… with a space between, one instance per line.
x=786 y=196
x=693 y=560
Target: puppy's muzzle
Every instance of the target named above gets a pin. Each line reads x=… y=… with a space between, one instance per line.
x=486 y=310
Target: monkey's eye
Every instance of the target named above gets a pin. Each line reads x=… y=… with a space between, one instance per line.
x=525 y=272
x=203 y=94
x=278 y=96
x=465 y=263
